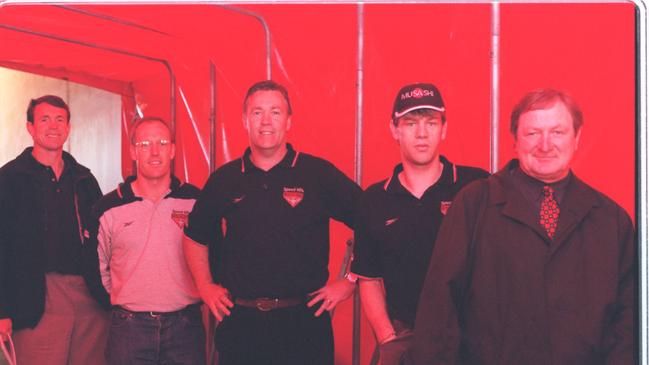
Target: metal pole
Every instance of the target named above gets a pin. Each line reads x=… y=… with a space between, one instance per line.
x=358 y=169
x=642 y=168
x=212 y=117
x=495 y=87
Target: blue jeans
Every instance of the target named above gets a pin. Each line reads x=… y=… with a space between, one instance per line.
x=165 y=339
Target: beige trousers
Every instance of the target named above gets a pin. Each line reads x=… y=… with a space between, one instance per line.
x=72 y=331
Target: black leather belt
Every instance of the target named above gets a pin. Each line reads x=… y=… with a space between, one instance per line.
x=267 y=304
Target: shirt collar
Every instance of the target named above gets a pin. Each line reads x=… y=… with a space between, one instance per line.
x=288 y=161
x=448 y=177
x=126 y=190
x=532 y=187
x=35 y=165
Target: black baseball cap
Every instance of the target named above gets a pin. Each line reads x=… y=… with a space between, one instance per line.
x=417 y=96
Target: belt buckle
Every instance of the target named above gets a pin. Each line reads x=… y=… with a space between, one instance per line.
x=266 y=304
x=154 y=314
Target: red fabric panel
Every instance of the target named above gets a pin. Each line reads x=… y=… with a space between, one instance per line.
x=128 y=115
x=447 y=45
x=587 y=50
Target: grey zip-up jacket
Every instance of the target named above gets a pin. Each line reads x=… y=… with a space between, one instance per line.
x=136 y=254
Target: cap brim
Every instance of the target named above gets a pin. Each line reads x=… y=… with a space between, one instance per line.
x=399 y=115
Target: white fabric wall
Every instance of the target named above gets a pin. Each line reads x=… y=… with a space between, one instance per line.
x=95 y=135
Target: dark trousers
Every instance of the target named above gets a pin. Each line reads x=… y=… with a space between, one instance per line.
x=141 y=338
x=286 y=336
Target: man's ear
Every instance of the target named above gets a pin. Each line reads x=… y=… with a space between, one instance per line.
x=133 y=152
x=30 y=128
x=393 y=130
x=577 y=138
x=444 y=129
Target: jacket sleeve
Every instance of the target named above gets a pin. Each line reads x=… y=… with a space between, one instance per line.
x=620 y=334
x=92 y=262
x=5 y=236
x=438 y=332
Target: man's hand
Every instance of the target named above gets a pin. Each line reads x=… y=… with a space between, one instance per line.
x=5 y=329
x=330 y=295
x=217 y=299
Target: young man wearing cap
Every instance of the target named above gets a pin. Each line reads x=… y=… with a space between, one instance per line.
x=398 y=218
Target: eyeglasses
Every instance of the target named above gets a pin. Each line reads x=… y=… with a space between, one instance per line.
x=146 y=145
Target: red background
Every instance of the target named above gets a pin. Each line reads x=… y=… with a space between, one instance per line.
x=587 y=50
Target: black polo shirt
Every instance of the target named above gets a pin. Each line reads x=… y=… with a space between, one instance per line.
x=62 y=242
x=396 y=232
x=268 y=231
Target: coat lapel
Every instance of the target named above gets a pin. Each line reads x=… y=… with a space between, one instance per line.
x=516 y=206
x=578 y=201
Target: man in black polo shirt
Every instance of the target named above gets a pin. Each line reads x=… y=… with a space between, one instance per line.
x=399 y=217
x=265 y=218
x=46 y=198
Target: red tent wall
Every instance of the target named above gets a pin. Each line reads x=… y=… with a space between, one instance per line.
x=585 y=49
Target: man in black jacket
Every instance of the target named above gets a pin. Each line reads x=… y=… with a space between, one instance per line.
x=46 y=198
x=532 y=265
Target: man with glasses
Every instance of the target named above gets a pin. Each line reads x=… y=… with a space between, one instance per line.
x=139 y=262
x=45 y=200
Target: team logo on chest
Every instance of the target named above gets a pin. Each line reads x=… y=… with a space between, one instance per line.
x=293 y=196
x=443 y=207
x=389 y=222
x=181 y=217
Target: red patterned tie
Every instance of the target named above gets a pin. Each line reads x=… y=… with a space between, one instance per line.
x=549 y=211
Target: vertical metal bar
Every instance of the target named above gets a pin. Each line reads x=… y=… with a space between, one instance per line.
x=495 y=86
x=172 y=112
x=358 y=167
x=212 y=117
x=642 y=175
x=172 y=102
x=358 y=152
x=68 y=142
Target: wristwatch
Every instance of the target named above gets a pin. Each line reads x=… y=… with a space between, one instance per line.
x=351 y=277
